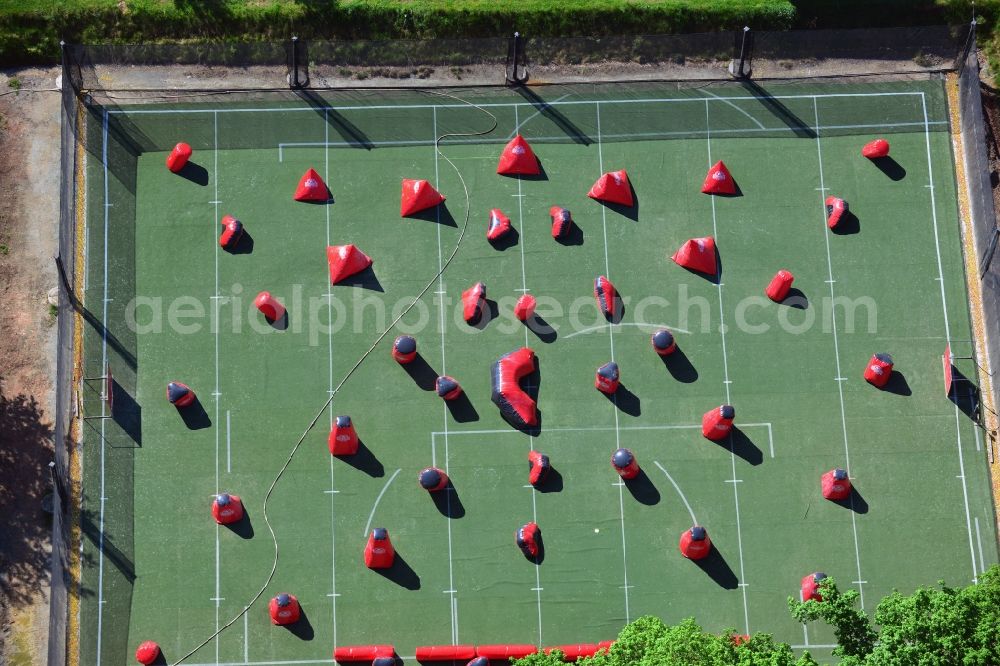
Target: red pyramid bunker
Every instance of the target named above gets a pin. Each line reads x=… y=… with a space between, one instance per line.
x=698 y=254
x=613 y=187
x=418 y=195
x=719 y=180
x=345 y=261
x=518 y=158
x=312 y=188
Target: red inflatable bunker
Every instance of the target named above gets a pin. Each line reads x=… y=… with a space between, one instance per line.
x=698 y=254
x=479 y=661
x=613 y=187
x=516 y=406
x=343 y=439
x=473 y=302
x=269 y=306
x=810 y=586
x=528 y=538
x=368 y=653
x=625 y=464
x=576 y=651
x=836 y=209
x=779 y=286
x=180 y=395
x=836 y=485
x=379 y=552
x=505 y=652
x=178 y=157
x=695 y=544
x=418 y=195
x=607 y=378
x=879 y=370
x=562 y=222
x=876 y=149
x=447 y=388
x=538 y=467
x=284 y=609
x=663 y=342
x=518 y=158
x=227 y=509
x=232 y=232
x=719 y=180
x=404 y=349
x=716 y=424
x=524 y=309
x=311 y=188
x=445 y=652
x=147 y=652
x=432 y=479
x=345 y=261
x=606 y=295
x=499 y=225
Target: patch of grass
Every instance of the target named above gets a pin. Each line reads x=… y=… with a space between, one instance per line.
x=14 y=83
x=53 y=310
x=4 y=250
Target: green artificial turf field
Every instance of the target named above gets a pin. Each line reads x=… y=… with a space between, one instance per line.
x=174 y=306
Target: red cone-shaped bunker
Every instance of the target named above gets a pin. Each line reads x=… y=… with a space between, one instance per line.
x=404 y=349
x=432 y=479
x=836 y=485
x=538 y=467
x=227 y=509
x=810 y=586
x=518 y=158
x=284 y=609
x=178 y=157
x=719 y=180
x=269 y=306
x=606 y=295
x=343 y=440
x=779 y=286
x=418 y=195
x=499 y=225
x=379 y=553
x=663 y=342
x=625 y=463
x=473 y=302
x=875 y=149
x=698 y=254
x=311 y=188
x=447 y=388
x=836 y=209
x=147 y=652
x=613 y=187
x=180 y=395
x=695 y=544
x=716 y=424
x=232 y=232
x=879 y=370
x=524 y=309
x=562 y=222
x=607 y=378
x=345 y=261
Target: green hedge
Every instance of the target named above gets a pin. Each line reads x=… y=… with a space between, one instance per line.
x=30 y=30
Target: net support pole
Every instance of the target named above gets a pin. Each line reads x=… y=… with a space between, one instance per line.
x=294 y=81
x=741 y=67
x=516 y=73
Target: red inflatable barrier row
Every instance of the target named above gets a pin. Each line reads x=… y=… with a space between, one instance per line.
x=506 y=651
x=573 y=652
x=363 y=652
x=446 y=652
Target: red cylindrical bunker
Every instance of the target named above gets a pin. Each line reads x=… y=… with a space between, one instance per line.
x=607 y=378
x=180 y=394
x=227 y=509
x=269 y=306
x=780 y=285
x=695 y=544
x=284 y=609
x=179 y=157
x=524 y=309
x=404 y=349
x=718 y=423
x=879 y=369
x=836 y=485
x=447 y=388
x=810 y=586
x=663 y=342
x=432 y=479
x=147 y=652
x=343 y=440
x=625 y=463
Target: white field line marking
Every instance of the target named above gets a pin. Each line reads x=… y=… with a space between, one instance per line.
x=694 y=521
x=538 y=112
x=246 y=636
x=744 y=112
x=836 y=350
x=392 y=107
x=805 y=631
x=824 y=646
x=979 y=542
x=217 y=394
x=229 y=444
x=692 y=134
x=104 y=365
x=511 y=431
x=947 y=331
x=726 y=383
x=611 y=338
x=379 y=499
x=444 y=366
x=329 y=345
x=531 y=444
x=640 y=324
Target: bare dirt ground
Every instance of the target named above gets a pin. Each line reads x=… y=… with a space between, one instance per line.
x=29 y=217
